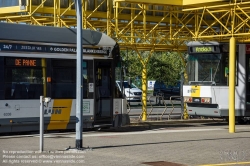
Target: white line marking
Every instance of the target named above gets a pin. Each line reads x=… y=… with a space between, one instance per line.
x=150 y=132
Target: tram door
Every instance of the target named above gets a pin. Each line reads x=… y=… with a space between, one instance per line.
x=103 y=92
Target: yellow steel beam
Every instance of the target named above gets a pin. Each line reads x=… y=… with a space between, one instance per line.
x=13 y=9
x=159 y=2
x=179 y=2
x=203 y=2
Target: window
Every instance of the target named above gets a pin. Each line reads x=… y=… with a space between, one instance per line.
x=209 y=69
x=64 y=79
x=23 y=78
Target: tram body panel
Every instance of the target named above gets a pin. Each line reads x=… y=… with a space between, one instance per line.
x=59 y=114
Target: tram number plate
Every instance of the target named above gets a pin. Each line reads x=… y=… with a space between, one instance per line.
x=7 y=114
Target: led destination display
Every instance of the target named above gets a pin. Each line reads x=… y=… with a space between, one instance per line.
x=204 y=49
x=27 y=62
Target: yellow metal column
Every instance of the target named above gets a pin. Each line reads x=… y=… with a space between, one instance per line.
x=55 y=9
x=85 y=3
x=144 y=82
x=232 y=85
x=144 y=72
x=116 y=18
x=185 y=112
x=144 y=92
x=108 y=18
x=144 y=20
x=132 y=24
x=171 y=23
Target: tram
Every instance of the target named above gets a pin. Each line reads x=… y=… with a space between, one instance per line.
x=207 y=91
x=41 y=61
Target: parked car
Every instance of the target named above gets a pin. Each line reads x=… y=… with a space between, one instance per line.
x=132 y=92
x=160 y=89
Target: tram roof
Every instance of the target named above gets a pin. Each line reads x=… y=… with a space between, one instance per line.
x=46 y=34
x=201 y=43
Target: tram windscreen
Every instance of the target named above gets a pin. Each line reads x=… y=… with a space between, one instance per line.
x=208 y=69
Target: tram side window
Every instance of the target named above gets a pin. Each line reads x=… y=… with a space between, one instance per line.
x=22 y=82
x=64 y=79
x=64 y=82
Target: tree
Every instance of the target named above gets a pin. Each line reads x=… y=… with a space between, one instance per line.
x=162 y=66
x=165 y=67
x=132 y=65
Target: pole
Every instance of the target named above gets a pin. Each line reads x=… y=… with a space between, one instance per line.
x=41 y=123
x=144 y=93
x=232 y=85
x=79 y=81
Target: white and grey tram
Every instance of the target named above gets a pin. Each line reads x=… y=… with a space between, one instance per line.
x=207 y=91
x=41 y=61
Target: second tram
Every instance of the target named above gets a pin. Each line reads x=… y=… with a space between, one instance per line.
x=207 y=90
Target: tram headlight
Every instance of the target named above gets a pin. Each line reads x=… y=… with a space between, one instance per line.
x=206 y=100
x=188 y=99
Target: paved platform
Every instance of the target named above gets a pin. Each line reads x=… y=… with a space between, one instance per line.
x=186 y=144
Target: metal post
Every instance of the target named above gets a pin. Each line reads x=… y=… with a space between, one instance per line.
x=232 y=85
x=41 y=123
x=79 y=81
x=144 y=93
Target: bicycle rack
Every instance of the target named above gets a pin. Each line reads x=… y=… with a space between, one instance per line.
x=173 y=106
x=161 y=98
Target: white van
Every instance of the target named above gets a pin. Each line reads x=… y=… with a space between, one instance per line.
x=131 y=92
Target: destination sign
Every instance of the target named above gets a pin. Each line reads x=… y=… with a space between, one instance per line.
x=204 y=49
x=5 y=47
x=28 y=62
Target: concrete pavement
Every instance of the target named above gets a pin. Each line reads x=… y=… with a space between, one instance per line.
x=166 y=145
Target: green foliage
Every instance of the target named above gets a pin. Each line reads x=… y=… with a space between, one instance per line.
x=132 y=63
x=163 y=66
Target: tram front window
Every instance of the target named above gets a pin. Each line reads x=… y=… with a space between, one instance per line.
x=208 y=69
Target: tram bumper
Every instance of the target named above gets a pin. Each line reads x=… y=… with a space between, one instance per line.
x=209 y=110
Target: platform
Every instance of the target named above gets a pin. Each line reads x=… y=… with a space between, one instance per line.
x=187 y=144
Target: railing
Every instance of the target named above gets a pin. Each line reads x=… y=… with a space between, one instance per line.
x=173 y=106
x=154 y=103
x=161 y=98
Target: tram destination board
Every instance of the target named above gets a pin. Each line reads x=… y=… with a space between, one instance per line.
x=51 y=49
x=204 y=49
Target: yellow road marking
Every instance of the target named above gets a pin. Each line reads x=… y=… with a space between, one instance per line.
x=222 y=164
